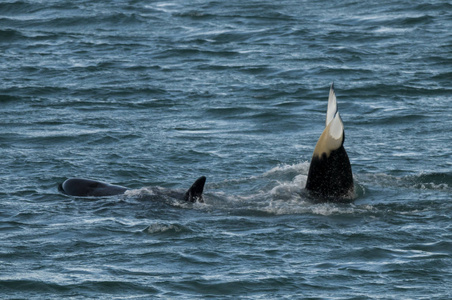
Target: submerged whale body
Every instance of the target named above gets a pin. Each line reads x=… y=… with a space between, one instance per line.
x=330 y=173
x=92 y=188
x=86 y=187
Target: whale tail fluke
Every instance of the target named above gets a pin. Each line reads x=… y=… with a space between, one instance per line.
x=330 y=172
x=194 y=193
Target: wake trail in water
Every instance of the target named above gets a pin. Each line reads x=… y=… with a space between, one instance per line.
x=280 y=191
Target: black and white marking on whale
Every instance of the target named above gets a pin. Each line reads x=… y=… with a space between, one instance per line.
x=330 y=172
x=92 y=188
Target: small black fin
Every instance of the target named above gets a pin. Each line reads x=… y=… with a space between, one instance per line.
x=194 y=193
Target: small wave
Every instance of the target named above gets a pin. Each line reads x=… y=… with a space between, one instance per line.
x=24 y=285
x=281 y=192
x=434 y=181
x=140 y=193
x=423 y=181
x=19 y=7
x=306 y=207
x=193 y=14
x=164 y=228
x=110 y=19
x=163 y=196
x=301 y=168
x=391 y=20
x=8 y=35
x=438 y=247
x=417 y=20
x=297 y=204
x=4 y=98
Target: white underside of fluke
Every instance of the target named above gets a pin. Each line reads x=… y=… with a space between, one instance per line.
x=333 y=135
x=332 y=106
x=336 y=131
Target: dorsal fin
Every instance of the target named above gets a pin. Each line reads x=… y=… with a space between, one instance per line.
x=194 y=193
x=332 y=106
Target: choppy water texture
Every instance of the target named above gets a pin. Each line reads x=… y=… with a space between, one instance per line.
x=156 y=93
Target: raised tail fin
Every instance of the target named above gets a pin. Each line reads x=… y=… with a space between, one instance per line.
x=330 y=172
x=194 y=193
x=332 y=105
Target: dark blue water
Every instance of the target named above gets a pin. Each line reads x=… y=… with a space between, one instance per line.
x=157 y=93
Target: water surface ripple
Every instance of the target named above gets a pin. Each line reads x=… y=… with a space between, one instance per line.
x=155 y=94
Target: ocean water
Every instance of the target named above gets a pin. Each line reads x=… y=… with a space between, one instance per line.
x=157 y=93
